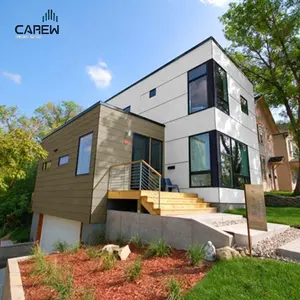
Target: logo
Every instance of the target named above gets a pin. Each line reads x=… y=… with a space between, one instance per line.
x=36 y=31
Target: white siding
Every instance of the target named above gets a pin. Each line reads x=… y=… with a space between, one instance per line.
x=231 y=195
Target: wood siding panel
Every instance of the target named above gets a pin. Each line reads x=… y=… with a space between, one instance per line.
x=58 y=191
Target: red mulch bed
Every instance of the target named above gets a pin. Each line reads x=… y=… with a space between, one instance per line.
x=111 y=284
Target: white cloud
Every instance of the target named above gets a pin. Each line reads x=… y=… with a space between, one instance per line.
x=100 y=74
x=215 y=2
x=14 y=77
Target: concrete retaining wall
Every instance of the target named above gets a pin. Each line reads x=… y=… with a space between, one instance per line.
x=179 y=233
x=280 y=201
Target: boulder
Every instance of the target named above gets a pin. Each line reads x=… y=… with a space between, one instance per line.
x=226 y=253
x=111 y=248
x=124 y=252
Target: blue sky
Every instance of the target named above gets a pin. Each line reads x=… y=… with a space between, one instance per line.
x=103 y=46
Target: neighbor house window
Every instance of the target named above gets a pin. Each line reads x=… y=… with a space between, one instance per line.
x=244 y=105
x=84 y=154
x=46 y=165
x=198 y=98
x=152 y=93
x=260 y=131
x=200 y=170
x=63 y=160
x=127 y=109
x=221 y=89
x=234 y=163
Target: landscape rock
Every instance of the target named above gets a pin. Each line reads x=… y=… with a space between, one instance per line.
x=111 y=248
x=210 y=251
x=227 y=253
x=124 y=252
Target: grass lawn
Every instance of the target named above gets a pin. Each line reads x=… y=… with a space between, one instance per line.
x=249 y=279
x=282 y=215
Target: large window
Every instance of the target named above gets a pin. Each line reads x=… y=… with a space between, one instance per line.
x=198 y=98
x=84 y=154
x=200 y=170
x=234 y=163
x=221 y=89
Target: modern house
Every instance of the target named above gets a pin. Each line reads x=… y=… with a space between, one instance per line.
x=277 y=151
x=192 y=120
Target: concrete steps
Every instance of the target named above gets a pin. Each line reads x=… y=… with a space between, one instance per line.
x=181 y=205
x=178 y=211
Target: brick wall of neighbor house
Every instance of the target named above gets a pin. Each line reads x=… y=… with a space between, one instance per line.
x=170 y=107
x=111 y=150
x=58 y=192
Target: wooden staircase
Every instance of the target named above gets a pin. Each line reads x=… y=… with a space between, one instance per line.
x=174 y=204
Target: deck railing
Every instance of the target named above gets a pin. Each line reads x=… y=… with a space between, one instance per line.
x=135 y=175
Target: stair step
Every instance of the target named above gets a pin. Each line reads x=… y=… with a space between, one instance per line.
x=169 y=194
x=168 y=206
x=169 y=212
x=176 y=200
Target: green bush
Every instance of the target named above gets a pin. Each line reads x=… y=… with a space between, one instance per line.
x=93 y=252
x=195 y=254
x=133 y=271
x=158 y=248
x=61 y=246
x=136 y=240
x=108 y=261
x=174 y=290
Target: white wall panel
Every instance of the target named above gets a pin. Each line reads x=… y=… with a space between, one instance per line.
x=254 y=159
x=231 y=195
x=177 y=151
x=192 y=124
x=255 y=176
x=58 y=229
x=229 y=126
x=210 y=195
x=180 y=175
x=168 y=111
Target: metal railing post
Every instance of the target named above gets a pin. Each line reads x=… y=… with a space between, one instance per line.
x=109 y=178
x=141 y=170
x=159 y=187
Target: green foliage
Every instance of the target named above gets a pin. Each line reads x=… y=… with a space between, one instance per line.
x=158 y=248
x=51 y=115
x=61 y=246
x=280 y=193
x=174 y=290
x=39 y=261
x=120 y=240
x=108 y=261
x=75 y=248
x=20 y=235
x=93 y=252
x=136 y=240
x=196 y=254
x=133 y=271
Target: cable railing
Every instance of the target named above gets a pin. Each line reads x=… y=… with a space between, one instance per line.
x=135 y=175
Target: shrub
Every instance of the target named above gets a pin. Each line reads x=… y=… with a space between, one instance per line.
x=158 y=248
x=136 y=240
x=76 y=248
x=61 y=246
x=174 y=290
x=133 y=271
x=196 y=254
x=40 y=264
x=108 y=261
x=93 y=252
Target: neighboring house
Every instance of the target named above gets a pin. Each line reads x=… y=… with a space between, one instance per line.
x=192 y=120
x=277 y=151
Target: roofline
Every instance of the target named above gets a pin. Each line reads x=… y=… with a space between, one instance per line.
x=99 y=103
x=211 y=38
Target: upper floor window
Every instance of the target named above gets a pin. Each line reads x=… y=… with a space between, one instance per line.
x=221 y=89
x=84 y=154
x=152 y=93
x=127 y=109
x=260 y=132
x=234 y=163
x=63 y=160
x=46 y=165
x=244 y=105
x=198 y=98
x=200 y=170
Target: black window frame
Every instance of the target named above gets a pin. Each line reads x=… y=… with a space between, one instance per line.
x=247 y=179
x=244 y=106
x=217 y=99
x=66 y=155
x=44 y=165
x=152 y=93
x=82 y=136
x=127 y=109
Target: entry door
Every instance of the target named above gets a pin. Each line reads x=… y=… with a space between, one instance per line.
x=140 y=150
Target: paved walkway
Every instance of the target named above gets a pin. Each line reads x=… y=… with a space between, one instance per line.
x=290 y=250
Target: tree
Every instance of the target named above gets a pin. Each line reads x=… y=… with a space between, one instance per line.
x=265 y=43
x=18 y=146
x=52 y=115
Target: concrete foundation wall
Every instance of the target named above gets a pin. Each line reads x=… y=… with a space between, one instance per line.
x=178 y=232
x=15 y=250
